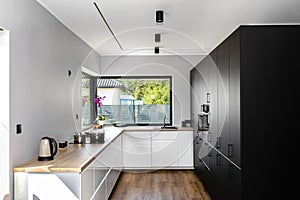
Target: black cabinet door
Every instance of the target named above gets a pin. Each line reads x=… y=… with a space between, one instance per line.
x=223 y=97
x=195 y=79
x=235 y=183
x=233 y=147
x=225 y=178
x=204 y=172
x=213 y=95
x=203 y=70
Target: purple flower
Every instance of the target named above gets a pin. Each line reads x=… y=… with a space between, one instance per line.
x=98 y=101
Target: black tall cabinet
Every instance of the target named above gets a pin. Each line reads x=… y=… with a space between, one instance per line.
x=254 y=113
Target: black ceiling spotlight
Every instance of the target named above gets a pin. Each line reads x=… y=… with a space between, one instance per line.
x=157 y=37
x=156 y=50
x=159 y=16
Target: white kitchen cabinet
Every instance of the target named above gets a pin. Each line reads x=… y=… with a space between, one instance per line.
x=107 y=168
x=164 y=149
x=185 y=149
x=101 y=192
x=136 y=149
x=172 y=149
x=87 y=182
x=158 y=149
x=131 y=150
x=46 y=187
x=164 y=153
x=95 y=182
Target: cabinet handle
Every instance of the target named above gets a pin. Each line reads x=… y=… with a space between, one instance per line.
x=209 y=136
x=230 y=150
x=218 y=142
x=218 y=160
x=35 y=197
x=208 y=97
x=230 y=171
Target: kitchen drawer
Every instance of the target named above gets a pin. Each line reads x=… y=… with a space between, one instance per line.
x=164 y=135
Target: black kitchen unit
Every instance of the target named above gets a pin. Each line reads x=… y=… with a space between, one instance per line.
x=250 y=83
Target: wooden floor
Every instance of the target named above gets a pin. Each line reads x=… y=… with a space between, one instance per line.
x=159 y=185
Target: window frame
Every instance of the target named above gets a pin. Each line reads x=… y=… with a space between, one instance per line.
x=170 y=77
x=92 y=111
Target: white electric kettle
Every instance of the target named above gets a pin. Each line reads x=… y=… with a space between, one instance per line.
x=48 y=149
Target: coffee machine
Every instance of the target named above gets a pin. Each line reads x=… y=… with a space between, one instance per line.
x=203 y=118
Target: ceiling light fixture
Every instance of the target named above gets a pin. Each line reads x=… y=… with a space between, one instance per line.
x=157 y=37
x=156 y=50
x=159 y=16
x=103 y=18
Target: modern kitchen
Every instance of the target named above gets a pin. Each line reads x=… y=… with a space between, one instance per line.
x=148 y=99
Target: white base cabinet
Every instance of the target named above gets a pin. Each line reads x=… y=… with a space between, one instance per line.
x=164 y=149
x=98 y=180
x=185 y=149
x=158 y=149
x=137 y=149
x=94 y=183
x=130 y=150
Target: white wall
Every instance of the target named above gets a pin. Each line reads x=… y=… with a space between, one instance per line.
x=4 y=113
x=177 y=66
x=42 y=50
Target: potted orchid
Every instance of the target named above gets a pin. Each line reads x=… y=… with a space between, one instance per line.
x=98 y=101
x=99 y=121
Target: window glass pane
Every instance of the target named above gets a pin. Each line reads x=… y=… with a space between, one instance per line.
x=135 y=100
x=86 y=101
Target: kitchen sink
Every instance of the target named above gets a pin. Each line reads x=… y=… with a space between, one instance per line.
x=169 y=127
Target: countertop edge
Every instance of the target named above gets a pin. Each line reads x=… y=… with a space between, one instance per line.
x=49 y=166
x=54 y=166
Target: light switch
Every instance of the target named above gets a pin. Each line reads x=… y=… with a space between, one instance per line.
x=19 y=128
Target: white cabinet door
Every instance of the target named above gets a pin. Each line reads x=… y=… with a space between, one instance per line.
x=48 y=186
x=100 y=177
x=101 y=191
x=87 y=183
x=164 y=149
x=185 y=149
x=137 y=149
x=164 y=153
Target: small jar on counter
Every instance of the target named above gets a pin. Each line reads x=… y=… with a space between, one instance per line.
x=77 y=138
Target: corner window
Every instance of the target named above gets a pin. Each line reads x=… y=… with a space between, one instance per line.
x=86 y=118
x=136 y=100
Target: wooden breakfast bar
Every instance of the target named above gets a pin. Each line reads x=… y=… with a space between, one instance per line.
x=80 y=171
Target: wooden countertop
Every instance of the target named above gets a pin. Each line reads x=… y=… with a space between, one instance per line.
x=154 y=128
x=74 y=158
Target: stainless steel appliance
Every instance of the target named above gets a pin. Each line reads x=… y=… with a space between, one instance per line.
x=205 y=108
x=203 y=118
x=48 y=149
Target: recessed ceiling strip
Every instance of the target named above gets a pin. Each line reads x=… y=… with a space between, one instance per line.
x=108 y=26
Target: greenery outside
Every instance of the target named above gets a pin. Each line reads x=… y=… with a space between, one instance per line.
x=150 y=91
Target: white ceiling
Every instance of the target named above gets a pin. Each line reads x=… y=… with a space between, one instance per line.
x=190 y=26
